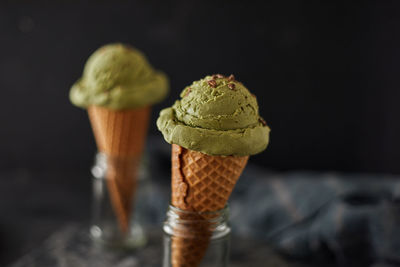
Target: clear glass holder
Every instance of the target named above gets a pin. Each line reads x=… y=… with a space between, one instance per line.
x=196 y=239
x=105 y=227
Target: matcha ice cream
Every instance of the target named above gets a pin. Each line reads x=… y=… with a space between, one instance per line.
x=213 y=129
x=118 y=88
x=216 y=116
x=118 y=76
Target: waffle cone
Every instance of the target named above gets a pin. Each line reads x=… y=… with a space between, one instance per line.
x=121 y=135
x=200 y=183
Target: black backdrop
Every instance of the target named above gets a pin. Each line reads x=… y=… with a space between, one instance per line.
x=326 y=75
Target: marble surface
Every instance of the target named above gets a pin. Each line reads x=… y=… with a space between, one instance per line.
x=71 y=246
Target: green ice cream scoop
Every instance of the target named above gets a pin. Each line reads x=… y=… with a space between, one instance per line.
x=217 y=116
x=118 y=76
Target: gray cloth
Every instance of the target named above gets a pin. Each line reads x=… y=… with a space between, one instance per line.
x=352 y=220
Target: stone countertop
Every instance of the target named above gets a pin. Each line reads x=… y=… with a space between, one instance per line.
x=71 y=246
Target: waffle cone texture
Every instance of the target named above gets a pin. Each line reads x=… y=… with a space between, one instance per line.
x=200 y=183
x=121 y=135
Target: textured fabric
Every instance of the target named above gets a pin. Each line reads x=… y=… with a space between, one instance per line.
x=352 y=220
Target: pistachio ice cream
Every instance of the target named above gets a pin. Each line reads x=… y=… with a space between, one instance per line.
x=118 y=76
x=216 y=115
x=118 y=88
x=213 y=128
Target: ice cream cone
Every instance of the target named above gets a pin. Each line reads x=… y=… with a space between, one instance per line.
x=120 y=134
x=213 y=128
x=117 y=87
x=200 y=183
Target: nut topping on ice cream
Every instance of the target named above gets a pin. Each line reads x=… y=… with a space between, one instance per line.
x=215 y=116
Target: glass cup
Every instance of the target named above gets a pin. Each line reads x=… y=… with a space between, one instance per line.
x=108 y=226
x=196 y=238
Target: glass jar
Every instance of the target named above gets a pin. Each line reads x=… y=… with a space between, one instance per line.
x=196 y=238
x=116 y=221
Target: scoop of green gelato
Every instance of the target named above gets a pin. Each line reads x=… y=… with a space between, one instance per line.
x=118 y=76
x=217 y=116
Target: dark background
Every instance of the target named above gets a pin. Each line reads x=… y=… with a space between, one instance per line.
x=326 y=74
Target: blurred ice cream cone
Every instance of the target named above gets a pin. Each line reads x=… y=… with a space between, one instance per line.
x=121 y=136
x=118 y=87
